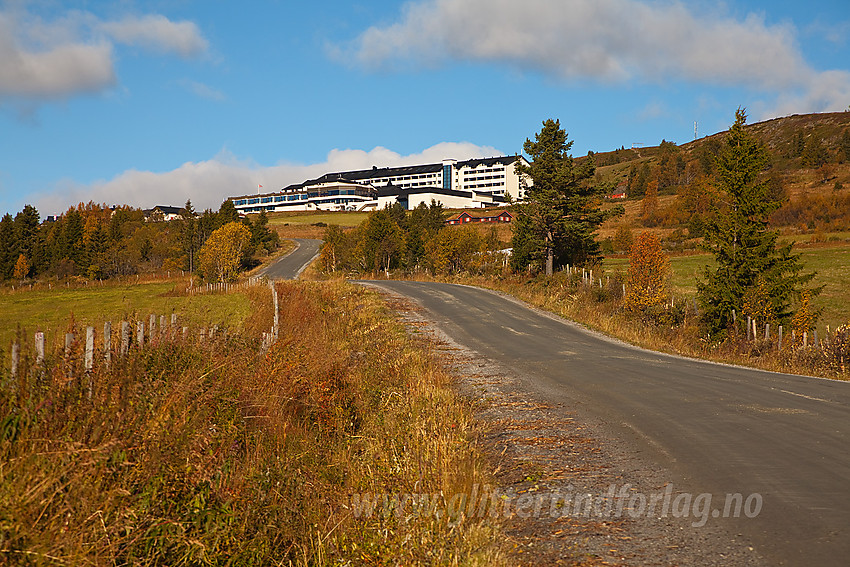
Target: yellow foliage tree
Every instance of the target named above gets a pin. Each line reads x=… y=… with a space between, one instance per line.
x=22 y=267
x=805 y=317
x=649 y=274
x=454 y=249
x=221 y=254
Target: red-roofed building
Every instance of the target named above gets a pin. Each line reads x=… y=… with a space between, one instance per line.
x=465 y=217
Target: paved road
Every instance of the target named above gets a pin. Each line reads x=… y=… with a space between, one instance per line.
x=289 y=267
x=714 y=428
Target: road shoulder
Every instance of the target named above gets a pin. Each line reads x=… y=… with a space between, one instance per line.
x=543 y=454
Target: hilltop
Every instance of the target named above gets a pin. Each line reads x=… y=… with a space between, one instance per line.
x=809 y=171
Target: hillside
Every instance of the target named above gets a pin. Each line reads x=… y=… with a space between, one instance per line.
x=809 y=171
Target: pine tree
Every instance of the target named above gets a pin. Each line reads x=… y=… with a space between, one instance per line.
x=561 y=211
x=189 y=233
x=752 y=272
x=8 y=246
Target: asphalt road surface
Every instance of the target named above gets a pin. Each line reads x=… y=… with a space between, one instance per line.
x=289 y=267
x=716 y=429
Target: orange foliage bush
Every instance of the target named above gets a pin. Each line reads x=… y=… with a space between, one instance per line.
x=649 y=274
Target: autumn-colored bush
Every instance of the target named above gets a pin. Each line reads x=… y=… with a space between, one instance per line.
x=649 y=274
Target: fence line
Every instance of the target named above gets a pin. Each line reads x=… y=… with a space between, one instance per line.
x=145 y=335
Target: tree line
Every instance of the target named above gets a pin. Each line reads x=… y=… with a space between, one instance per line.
x=95 y=241
x=410 y=241
x=556 y=225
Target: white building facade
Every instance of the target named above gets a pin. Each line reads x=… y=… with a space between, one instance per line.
x=474 y=183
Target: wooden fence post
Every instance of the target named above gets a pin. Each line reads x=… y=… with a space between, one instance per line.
x=767 y=331
x=125 y=337
x=69 y=342
x=162 y=328
x=749 y=326
x=780 y=337
x=152 y=328
x=89 y=349
x=107 y=342
x=16 y=357
x=805 y=339
x=140 y=333
x=276 y=324
x=39 y=347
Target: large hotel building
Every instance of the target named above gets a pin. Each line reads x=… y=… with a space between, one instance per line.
x=473 y=183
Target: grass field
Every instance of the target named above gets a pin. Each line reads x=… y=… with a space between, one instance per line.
x=50 y=310
x=342 y=218
x=832 y=264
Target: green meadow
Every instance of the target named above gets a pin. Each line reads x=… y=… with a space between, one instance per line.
x=342 y=218
x=832 y=264
x=50 y=311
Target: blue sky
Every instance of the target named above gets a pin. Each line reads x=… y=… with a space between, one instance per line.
x=151 y=103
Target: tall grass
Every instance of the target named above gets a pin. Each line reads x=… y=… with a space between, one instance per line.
x=673 y=330
x=217 y=453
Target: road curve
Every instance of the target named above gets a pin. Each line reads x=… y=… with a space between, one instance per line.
x=715 y=428
x=290 y=266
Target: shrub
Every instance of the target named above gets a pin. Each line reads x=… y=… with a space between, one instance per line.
x=649 y=274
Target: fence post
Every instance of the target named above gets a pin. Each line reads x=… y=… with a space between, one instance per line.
x=162 y=328
x=125 y=337
x=107 y=342
x=89 y=348
x=755 y=330
x=767 y=331
x=152 y=327
x=203 y=334
x=749 y=326
x=140 y=333
x=39 y=347
x=69 y=342
x=16 y=357
x=276 y=324
x=185 y=334
x=805 y=339
x=174 y=323
x=780 y=337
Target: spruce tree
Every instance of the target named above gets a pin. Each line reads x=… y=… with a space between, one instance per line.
x=754 y=276
x=561 y=212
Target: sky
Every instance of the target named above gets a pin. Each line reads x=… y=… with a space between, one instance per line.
x=153 y=103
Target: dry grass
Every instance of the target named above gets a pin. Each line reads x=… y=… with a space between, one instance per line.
x=216 y=453
x=674 y=331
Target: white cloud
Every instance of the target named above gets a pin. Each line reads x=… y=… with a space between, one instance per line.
x=158 y=33
x=828 y=91
x=605 y=40
x=70 y=68
x=73 y=53
x=208 y=183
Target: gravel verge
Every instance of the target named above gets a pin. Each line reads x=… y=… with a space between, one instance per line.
x=569 y=493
